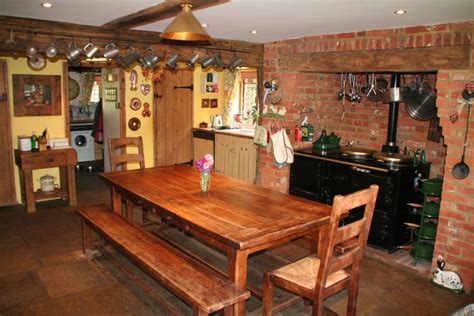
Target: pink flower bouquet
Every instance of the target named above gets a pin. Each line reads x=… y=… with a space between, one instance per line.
x=206 y=164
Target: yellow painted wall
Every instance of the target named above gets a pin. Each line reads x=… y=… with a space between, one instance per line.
x=146 y=129
x=25 y=125
x=56 y=124
x=204 y=114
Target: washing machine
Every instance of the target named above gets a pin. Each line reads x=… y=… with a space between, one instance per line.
x=82 y=141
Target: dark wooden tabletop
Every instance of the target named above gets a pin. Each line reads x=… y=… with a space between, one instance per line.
x=235 y=213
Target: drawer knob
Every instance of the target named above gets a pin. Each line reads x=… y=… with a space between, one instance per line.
x=50 y=160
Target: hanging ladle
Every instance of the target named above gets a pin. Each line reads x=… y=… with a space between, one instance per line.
x=461 y=169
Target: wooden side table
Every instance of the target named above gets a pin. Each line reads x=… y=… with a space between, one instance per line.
x=27 y=161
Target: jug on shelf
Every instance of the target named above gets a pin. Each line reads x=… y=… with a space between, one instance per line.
x=216 y=121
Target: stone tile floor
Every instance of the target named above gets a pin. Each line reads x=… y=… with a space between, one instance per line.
x=43 y=271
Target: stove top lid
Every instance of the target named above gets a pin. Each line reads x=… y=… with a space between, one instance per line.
x=357 y=152
x=392 y=158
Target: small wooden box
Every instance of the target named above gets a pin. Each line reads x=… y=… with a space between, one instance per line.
x=42 y=144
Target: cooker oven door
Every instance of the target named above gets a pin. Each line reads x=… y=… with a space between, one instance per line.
x=306 y=178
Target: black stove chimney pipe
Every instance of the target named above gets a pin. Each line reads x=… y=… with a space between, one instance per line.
x=390 y=146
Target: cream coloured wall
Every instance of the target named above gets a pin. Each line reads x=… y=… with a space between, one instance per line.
x=146 y=129
x=25 y=125
x=204 y=114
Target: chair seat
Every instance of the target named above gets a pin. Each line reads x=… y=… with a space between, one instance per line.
x=305 y=271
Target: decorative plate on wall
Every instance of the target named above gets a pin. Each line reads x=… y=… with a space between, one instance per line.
x=73 y=88
x=37 y=64
x=134 y=123
x=135 y=104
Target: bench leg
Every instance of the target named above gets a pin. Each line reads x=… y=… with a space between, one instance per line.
x=199 y=312
x=86 y=238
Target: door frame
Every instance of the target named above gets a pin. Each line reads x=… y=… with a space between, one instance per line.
x=121 y=95
x=12 y=198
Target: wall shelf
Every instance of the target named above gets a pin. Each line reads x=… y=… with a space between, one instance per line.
x=210 y=83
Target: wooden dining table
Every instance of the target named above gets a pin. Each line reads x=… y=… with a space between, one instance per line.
x=239 y=218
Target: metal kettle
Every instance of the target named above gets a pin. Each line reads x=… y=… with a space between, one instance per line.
x=216 y=121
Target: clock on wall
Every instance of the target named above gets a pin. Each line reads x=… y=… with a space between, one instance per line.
x=73 y=89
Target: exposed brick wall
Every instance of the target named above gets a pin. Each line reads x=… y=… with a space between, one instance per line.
x=315 y=95
x=455 y=235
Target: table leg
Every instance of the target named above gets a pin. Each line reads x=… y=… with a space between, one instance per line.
x=29 y=191
x=116 y=202
x=237 y=270
x=86 y=238
x=319 y=239
x=71 y=185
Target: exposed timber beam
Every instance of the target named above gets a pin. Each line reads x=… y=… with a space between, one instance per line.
x=399 y=60
x=161 y=11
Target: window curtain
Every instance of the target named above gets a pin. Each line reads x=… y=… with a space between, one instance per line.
x=231 y=95
x=87 y=80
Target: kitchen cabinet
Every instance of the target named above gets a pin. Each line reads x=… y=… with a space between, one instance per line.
x=236 y=156
x=203 y=143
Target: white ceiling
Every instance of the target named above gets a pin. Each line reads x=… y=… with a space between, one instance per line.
x=274 y=19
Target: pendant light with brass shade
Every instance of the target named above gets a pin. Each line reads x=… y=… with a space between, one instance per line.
x=185 y=27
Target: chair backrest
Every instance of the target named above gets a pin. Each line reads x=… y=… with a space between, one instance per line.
x=120 y=155
x=357 y=231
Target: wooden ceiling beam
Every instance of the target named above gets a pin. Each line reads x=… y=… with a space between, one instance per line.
x=393 y=60
x=25 y=31
x=164 y=10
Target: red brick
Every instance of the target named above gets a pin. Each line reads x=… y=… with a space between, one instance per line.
x=417 y=29
x=460 y=262
x=409 y=42
x=378 y=33
x=463 y=245
x=447 y=39
x=461 y=26
x=437 y=39
x=419 y=41
x=346 y=35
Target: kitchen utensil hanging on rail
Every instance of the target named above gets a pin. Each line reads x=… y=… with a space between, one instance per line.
x=421 y=102
x=461 y=169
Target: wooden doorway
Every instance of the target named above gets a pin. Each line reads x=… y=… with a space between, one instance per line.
x=7 y=182
x=173 y=118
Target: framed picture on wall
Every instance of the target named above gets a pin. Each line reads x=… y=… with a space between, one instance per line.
x=214 y=103
x=36 y=95
x=204 y=103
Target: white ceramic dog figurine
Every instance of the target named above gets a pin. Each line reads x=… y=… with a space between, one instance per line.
x=448 y=279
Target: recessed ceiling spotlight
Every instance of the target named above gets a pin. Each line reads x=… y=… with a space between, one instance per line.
x=47 y=5
x=253 y=31
x=205 y=25
x=400 y=12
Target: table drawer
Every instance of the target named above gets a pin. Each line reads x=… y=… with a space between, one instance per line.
x=47 y=161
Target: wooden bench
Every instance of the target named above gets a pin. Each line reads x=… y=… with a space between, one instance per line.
x=199 y=286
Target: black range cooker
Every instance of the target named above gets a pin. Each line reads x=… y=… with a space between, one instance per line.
x=320 y=175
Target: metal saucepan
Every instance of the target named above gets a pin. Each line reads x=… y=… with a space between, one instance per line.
x=421 y=102
x=461 y=169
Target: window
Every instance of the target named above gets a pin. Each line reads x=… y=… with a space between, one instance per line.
x=95 y=94
x=249 y=95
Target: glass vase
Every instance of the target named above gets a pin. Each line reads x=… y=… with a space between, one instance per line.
x=205 y=181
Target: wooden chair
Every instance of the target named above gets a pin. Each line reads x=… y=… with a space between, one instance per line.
x=120 y=158
x=315 y=278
